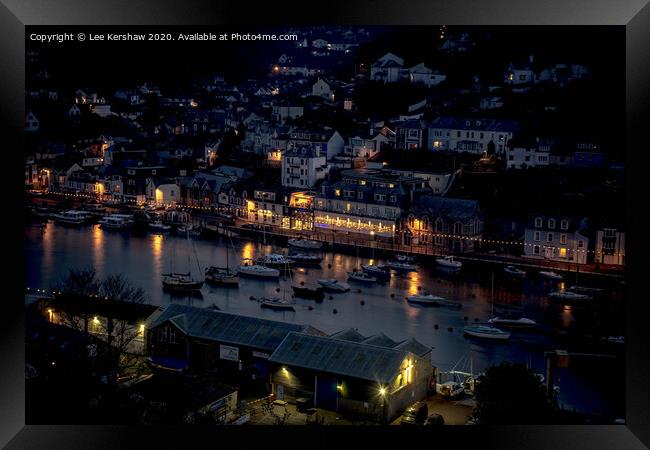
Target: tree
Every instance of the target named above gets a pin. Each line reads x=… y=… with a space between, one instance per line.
x=511 y=394
x=78 y=285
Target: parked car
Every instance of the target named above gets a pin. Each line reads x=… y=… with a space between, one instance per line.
x=435 y=419
x=416 y=414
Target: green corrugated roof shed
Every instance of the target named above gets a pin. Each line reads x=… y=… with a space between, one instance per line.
x=352 y=359
x=230 y=328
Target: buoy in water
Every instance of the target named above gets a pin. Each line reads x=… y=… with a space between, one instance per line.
x=302 y=283
x=310 y=307
x=475 y=319
x=334 y=311
x=435 y=327
x=277 y=289
x=331 y=298
x=392 y=295
x=450 y=329
x=363 y=302
x=358 y=291
x=329 y=266
x=251 y=298
x=419 y=288
x=465 y=318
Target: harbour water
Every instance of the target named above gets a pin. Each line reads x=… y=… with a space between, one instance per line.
x=589 y=385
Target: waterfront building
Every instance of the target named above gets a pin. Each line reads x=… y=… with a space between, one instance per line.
x=163 y=191
x=202 y=339
x=268 y=206
x=556 y=238
x=365 y=201
x=411 y=134
x=610 y=246
x=446 y=224
x=521 y=153
x=371 y=378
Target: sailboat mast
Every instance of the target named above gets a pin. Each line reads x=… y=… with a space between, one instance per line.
x=493 y=293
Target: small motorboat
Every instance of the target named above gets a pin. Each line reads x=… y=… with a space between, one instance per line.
x=334 y=285
x=305 y=259
x=551 y=275
x=405 y=258
x=614 y=339
x=486 y=332
x=221 y=276
x=159 y=226
x=450 y=389
x=276 y=303
x=427 y=299
x=275 y=260
x=449 y=263
x=514 y=271
x=180 y=282
x=117 y=221
x=402 y=266
x=382 y=273
x=585 y=290
x=508 y=322
x=249 y=269
x=569 y=296
x=361 y=277
x=72 y=217
x=305 y=244
x=315 y=293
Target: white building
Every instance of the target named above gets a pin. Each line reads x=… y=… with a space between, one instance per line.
x=322 y=88
x=389 y=69
x=421 y=74
x=473 y=135
x=520 y=73
x=303 y=167
x=162 y=193
x=556 y=238
x=531 y=154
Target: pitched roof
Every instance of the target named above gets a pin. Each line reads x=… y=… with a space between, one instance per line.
x=413 y=346
x=226 y=327
x=380 y=340
x=480 y=124
x=455 y=208
x=350 y=334
x=352 y=359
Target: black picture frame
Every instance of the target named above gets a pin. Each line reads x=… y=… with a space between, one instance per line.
x=634 y=15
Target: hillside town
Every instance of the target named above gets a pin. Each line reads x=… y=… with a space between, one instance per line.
x=344 y=144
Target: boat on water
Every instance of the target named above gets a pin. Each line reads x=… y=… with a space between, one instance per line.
x=361 y=277
x=305 y=259
x=72 y=217
x=486 y=332
x=381 y=272
x=186 y=229
x=405 y=258
x=305 y=244
x=402 y=266
x=614 y=339
x=511 y=322
x=181 y=282
x=427 y=299
x=96 y=208
x=449 y=263
x=117 y=221
x=569 y=296
x=250 y=269
x=275 y=260
x=551 y=275
x=315 y=293
x=277 y=304
x=219 y=229
x=159 y=226
x=514 y=271
x=221 y=276
x=334 y=285
x=585 y=289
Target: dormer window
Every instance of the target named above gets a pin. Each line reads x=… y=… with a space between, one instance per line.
x=564 y=224
x=538 y=222
x=551 y=223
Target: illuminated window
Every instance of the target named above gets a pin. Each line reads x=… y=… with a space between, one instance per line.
x=338 y=192
x=563 y=252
